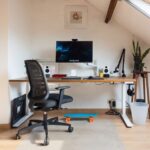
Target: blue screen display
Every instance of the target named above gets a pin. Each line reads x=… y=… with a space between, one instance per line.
x=74 y=51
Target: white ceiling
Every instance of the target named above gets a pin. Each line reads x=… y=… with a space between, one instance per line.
x=127 y=16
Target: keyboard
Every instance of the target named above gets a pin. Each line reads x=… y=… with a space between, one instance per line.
x=71 y=78
x=81 y=78
x=93 y=78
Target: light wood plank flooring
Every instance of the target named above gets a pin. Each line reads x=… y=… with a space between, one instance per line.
x=136 y=138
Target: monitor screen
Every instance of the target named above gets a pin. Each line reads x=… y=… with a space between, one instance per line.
x=74 y=51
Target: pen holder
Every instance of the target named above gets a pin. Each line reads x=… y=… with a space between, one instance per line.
x=101 y=73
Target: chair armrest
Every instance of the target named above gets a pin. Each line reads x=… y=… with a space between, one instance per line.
x=61 y=94
x=62 y=87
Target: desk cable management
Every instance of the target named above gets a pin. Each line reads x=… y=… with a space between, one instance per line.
x=112 y=111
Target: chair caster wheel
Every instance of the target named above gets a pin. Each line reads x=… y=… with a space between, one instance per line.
x=18 y=137
x=70 y=129
x=45 y=143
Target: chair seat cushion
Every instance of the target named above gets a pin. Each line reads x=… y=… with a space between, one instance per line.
x=46 y=106
x=52 y=102
x=66 y=98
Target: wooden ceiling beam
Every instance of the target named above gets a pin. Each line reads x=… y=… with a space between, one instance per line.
x=110 y=11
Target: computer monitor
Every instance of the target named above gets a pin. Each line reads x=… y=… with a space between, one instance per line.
x=74 y=51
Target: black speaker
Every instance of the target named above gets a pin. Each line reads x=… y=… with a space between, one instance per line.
x=47 y=71
x=106 y=72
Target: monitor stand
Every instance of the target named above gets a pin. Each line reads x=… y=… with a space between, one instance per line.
x=73 y=72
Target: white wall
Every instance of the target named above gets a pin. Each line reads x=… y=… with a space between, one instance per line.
x=128 y=17
x=4 y=100
x=133 y=20
x=35 y=26
x=109 y=40
x=19 y=36
x=19 y=42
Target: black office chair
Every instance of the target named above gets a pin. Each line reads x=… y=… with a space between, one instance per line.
x=40 y=99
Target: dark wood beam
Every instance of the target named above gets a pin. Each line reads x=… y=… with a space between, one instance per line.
x=111 y=9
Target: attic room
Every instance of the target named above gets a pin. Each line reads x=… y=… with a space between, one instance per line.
x=99 y=93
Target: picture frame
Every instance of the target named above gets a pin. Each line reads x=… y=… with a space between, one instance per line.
x=76 y=16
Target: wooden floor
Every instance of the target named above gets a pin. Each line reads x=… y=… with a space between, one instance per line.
x=136 y=138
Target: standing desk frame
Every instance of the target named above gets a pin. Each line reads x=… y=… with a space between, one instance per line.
x=115 y=80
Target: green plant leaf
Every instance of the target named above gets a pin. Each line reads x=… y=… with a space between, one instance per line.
x=145 y=53
x=137 y=48
x=134 y=48
x=139 y=51
x=133 y=54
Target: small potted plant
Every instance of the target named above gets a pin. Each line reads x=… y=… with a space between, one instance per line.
x=138 y=57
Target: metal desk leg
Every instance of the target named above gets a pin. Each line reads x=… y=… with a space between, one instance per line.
x=124 y=116
x=148 y=99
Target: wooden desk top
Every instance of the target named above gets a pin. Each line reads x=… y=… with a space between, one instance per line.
x=82 y=80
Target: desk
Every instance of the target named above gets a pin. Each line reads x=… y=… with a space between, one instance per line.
x=119 y=80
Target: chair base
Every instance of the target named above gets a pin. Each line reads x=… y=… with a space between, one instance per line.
x=45 y=122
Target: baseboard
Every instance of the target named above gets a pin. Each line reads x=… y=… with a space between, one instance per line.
x=4 y=126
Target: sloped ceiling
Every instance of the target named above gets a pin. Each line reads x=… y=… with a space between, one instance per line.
x=127 y=16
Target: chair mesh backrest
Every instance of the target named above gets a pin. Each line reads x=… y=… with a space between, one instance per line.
x=38 y=84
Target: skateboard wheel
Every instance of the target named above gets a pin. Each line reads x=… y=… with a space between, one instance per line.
x=91 y=119
x=68 y=120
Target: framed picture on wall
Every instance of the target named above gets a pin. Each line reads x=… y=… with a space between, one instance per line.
x=76 y=16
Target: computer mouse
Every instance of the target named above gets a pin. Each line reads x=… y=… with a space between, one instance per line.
x=90 y=77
